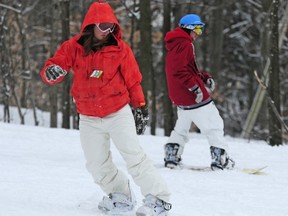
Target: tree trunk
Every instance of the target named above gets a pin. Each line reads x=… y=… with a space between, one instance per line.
x=145 y=60
x=168 y=114
x=5 y=89
x=53 y=46
x=275 y=129
x=216 y=38
x=64 y=5
x=133 y=25
x=26 y=75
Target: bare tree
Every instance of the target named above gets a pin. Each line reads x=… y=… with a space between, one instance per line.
x=66 y=84
x=53 y=46
x=275 y=129
x=5 y=89
x=168 y=114
x=258 y=100
x=145 y=58
x=9 y=65
x=26 y=73
x=216 y=27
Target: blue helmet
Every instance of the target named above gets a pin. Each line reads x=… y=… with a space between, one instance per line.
x=189 y=21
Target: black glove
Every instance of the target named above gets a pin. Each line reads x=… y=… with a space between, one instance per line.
x=54 y=72
x=141 y=116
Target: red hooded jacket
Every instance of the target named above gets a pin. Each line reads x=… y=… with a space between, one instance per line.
x=120 y=82
x=181 y=70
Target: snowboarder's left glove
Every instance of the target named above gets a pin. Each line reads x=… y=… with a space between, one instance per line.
x=198 y=92
x=210 y=84
x=141 y=116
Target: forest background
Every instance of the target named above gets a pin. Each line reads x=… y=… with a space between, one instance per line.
x=244 y=46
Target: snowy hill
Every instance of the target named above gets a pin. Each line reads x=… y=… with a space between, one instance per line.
x=43 y=174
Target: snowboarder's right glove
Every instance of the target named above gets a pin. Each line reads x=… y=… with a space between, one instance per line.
x=54 y=72
x=210 y=84
x=141 y=116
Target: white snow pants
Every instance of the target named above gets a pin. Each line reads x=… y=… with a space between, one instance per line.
x=95 y=134
x=207 y=119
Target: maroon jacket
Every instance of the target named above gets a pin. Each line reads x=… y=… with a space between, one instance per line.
x=181 y=70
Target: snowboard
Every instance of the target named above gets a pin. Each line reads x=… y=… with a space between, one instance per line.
x=251 y=171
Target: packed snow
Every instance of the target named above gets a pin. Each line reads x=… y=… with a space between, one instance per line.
x=43 y=174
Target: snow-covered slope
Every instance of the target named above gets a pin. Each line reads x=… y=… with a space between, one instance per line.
x=43 y=174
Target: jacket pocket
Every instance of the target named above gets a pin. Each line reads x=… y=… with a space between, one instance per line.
x=111 y=63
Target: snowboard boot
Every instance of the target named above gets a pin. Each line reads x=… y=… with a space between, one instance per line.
x=220 y=159
x=172 y=157
x=118 y=203
x=153 y=207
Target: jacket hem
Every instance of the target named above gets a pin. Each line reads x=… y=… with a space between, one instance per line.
x=195 y=106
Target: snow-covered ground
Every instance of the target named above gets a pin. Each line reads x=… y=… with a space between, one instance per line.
x=42 y=173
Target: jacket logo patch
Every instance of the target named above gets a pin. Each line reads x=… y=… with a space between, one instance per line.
x=96 y=73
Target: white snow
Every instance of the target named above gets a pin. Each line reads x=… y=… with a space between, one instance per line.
x=42 y=173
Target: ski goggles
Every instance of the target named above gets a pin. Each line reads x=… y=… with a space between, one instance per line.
x=106 y=27
x=198 y=29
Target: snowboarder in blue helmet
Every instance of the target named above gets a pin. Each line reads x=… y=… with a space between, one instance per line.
x=189 y=89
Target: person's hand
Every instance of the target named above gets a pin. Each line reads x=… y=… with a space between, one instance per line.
x=210 y=84
x=141 y=117
x=54 y=72
x=199 y=94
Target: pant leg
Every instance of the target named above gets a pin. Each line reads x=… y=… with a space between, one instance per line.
x=210 y=123
x=141 y=168
x=95 y=143
x=180 y=132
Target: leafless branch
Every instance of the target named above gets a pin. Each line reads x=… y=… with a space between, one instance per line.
x=271 y=102
x=259 y=80
x=10 y=8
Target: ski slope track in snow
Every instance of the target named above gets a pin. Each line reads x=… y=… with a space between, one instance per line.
x=43 y=174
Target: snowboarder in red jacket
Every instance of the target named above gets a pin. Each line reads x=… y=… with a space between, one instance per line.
x=189 y=90
x=106 y=82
